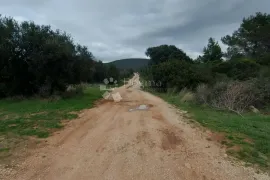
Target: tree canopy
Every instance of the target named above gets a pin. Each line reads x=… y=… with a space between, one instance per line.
x=164 y=53
x=247 y=58
x=252 y=39
x=212 y=52
x=35 y=59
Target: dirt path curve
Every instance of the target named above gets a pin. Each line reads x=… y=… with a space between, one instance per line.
x=109 y=142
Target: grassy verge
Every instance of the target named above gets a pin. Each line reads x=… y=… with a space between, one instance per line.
x=246 y=138
x=39 y=117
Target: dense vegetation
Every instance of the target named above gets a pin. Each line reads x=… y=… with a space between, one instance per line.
x=244 y=70
x=222 y=89
x=37 y=60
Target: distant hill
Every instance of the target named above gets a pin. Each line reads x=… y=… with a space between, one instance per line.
x=131 y=63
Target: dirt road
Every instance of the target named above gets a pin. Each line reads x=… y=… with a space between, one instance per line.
x=111 y=142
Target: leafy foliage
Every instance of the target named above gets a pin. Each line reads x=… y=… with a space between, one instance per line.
x=164 y=53
x=212 y=52
x=178 y=74
x=247 y=60
x=252 y=39
x=35 y=59
x=131 y=63
x=238 y=69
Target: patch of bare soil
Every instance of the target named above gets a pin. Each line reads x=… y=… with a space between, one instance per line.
x=102 y=101
x=235 y=148
x=249 y=141
x=169 y=140
x=158 y=116
x=218 y=137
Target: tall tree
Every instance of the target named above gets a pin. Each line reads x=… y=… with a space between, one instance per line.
x=165 y=53
x=113 y=72
x=252 y=39
x=212 y=52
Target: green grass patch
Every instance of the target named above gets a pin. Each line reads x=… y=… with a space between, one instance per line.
x=4 y=149
x=37 y=117
x=251 y=133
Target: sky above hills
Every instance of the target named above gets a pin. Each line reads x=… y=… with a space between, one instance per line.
x=116 y=29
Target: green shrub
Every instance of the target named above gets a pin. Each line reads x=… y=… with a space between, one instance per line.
x=238 y=69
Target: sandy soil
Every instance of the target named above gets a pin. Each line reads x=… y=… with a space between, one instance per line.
x=109 y=142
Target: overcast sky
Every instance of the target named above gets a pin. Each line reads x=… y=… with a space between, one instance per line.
x=114 y=29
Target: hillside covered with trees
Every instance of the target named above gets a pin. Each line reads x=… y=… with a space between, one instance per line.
x=131 y=63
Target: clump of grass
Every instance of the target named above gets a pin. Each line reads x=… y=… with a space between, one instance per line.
x=188 y=97
x=4 y=149
x=183 y=92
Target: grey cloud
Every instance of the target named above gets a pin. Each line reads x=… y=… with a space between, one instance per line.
x=204 y=22
x=125 y=28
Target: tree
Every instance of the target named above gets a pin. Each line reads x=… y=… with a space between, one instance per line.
x=83 y=65
x=113 y=72
x=34 y=59
x=9 y=67
x=165 y=53
x=212 y=52
x=179 y=74
x=252 y=39
x=199 y=60
x=99 y=71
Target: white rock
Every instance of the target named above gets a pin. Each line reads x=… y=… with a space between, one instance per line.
x=142 y=107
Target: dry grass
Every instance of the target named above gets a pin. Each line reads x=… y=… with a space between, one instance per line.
x=188 y=97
